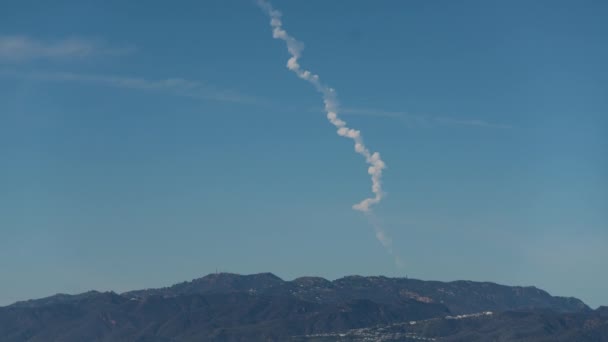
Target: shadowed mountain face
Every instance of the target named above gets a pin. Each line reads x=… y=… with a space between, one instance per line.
x=263 y=307
x=460 y=297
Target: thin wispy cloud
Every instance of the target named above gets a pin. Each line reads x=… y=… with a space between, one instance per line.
x=200 y=90
x=173 y=86
x=469 y=122
x=22 y=48
x=424 y=120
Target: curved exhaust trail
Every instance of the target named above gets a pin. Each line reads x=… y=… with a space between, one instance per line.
x=376 y=165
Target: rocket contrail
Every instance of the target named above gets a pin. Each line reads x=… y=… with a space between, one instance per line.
x=376 y=165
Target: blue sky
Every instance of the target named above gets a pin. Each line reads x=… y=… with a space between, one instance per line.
x=147 y=145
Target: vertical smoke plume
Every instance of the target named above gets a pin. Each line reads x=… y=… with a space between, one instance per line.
x=376 y=165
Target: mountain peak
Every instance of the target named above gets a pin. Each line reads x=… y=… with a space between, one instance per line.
x=257 y=279
x=312 y=281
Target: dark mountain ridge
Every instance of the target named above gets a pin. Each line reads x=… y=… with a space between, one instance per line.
x=263 y=307
x=460 y=297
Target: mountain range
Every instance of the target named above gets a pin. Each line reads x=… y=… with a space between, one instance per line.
x=263 y=307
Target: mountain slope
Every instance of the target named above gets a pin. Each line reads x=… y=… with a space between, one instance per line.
x=521 y=326
x=237 y=316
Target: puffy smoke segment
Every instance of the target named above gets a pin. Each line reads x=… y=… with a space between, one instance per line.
x=376 y=165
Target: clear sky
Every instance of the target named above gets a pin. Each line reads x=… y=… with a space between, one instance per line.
x=143 y=145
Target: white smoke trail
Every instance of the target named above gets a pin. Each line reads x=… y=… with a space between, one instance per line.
x=376 y=165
